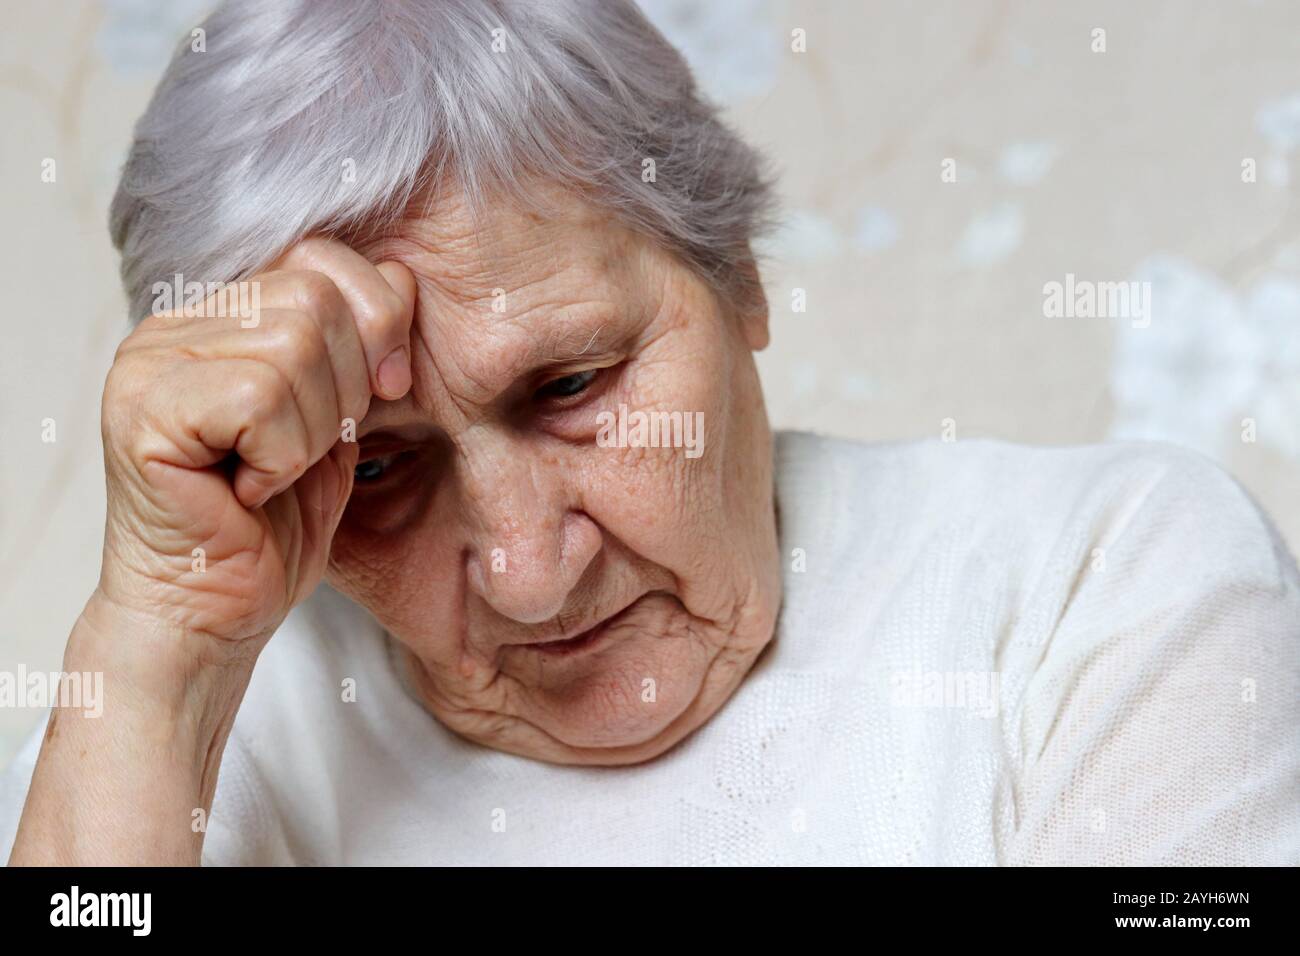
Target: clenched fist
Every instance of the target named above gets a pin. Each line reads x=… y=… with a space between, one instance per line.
x=227 y=472
x=227 y=477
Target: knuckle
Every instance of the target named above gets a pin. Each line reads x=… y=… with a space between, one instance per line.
x=261 y=390
x=122 y=384
x=152 y=322
x=316 y=294
x=382 y=314
x=307 y=250
x=293 y=344
x=124 y=390
x=393 y=306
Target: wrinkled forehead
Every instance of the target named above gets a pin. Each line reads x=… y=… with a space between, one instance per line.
x=504 y=289
x=465 y=251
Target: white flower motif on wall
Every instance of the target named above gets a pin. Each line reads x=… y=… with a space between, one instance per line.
x=1210 y=357
x=877 y=230
x=1026 y=164
x=139 y=36
x=802 y=236
x=991 y=236
x=1278 y=121
x=733 y=48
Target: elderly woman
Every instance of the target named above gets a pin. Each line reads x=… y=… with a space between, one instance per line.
x=490 y=378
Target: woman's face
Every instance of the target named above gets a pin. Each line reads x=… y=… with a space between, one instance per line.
x=560 y=596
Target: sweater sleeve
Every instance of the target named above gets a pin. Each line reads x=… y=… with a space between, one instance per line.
x=1162 y=724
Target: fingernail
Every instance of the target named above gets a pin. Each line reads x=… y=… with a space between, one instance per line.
x=394 y=373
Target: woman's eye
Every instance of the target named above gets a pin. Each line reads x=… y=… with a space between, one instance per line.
x=567 y=386
x=372 y=470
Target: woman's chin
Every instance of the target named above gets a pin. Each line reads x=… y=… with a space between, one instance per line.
x=625 y=702
x=620 y=703
x=623 y=694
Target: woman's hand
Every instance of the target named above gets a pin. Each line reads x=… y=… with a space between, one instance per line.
x=228 y=471
x=225 y=440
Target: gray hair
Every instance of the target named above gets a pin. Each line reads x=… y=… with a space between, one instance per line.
x=243 y=148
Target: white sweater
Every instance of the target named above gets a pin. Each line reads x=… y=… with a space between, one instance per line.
x=994 y=654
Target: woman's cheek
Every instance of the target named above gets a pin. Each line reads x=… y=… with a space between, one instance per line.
x=658 y=498
x=392 y=575
x=381 y=536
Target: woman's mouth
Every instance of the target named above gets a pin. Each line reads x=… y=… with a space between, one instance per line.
x=586 y=640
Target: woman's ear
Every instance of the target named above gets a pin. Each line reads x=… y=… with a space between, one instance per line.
x=751 y=307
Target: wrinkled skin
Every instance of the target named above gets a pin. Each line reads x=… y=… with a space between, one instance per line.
x=487 y=457
x=554 y=597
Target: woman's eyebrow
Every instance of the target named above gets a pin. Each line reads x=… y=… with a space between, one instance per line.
x=586 y=348
x=573 y=343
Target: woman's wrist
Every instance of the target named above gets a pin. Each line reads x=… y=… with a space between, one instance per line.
x=158 y=669
x=124 y=780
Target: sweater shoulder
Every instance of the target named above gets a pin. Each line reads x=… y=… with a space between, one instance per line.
x=938 y=534
x=976 y=462
x=995 y=484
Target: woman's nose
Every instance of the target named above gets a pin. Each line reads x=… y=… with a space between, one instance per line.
x=528 y=545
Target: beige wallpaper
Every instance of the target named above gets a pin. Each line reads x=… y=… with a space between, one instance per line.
x=941 y=163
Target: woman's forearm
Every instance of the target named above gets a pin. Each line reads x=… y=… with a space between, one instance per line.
x=126 y=786
x=228 y=464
